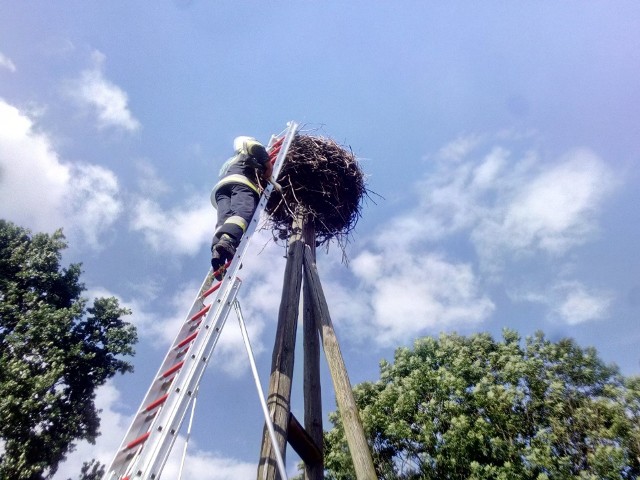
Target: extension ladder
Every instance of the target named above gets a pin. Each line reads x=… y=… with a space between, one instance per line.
x=152 y=433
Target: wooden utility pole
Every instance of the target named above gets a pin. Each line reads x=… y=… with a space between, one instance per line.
x=279 y=398
x=307 y=441
x=358 y=446
x=311 y=386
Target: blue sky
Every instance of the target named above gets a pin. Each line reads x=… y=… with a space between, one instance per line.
x=503 y=140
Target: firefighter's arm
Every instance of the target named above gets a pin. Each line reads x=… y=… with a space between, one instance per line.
x=259 y=153
x=268 y=171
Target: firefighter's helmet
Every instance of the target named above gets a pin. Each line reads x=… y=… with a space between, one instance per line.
x=240 y=143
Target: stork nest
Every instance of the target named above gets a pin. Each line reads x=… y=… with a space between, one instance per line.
x=323 y=181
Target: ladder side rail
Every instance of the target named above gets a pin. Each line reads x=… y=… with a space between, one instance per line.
x=204 y=344
x=188 y=437
x=206 y=341
x=289 y=134
x=139 y=425
x=199 y=344
x=170 y=419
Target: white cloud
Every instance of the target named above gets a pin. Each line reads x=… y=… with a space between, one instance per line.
x=182 y=230
x=554 y=210
x=94 y=200
x=510 y=206
x=203 y=465
x=458 y=197
x=149 y=182
x=569 y=302
x=157 y=327
x=6 y=63
x=487 y=173
x=581 y=306
x=40 y=191
x=149 y=324
x=108 y=101
x=459 y=148
x=573 y=303
x=408 y=296
x=34 y=181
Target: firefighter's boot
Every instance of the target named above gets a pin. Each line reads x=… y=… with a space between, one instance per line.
x=221 y=253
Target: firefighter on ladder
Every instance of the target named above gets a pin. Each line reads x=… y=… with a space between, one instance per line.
x=236 y=196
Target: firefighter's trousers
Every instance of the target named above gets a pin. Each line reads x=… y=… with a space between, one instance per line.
x=236 y=204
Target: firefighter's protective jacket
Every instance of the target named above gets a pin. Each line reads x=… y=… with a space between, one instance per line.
x=249 y=164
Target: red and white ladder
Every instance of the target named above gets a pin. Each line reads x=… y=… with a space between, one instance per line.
x=152 y=433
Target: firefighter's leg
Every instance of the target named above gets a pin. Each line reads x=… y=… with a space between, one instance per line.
x=242 y=205
x=223 y=201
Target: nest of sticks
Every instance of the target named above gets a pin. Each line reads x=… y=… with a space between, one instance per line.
x=323 y=181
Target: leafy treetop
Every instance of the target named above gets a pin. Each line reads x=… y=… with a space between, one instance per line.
x=55 y=350
x=475 y=408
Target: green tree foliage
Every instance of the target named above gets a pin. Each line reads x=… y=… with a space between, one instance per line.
x=55 y=350
x=475 y=408
x=92 y=470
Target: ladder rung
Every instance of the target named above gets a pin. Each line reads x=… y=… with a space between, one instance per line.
x=273 y=159
x=211 y=290
x=182 y=353
x=201 y=313
x=156 y=403
x=137 y=441
x=276 y=145
x=275 y=151
x=186 y=340
x=173 y=369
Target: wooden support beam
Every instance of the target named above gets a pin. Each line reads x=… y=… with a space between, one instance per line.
x=302 y=442
x=360 y=454
x=279 y=399
x=313 y=468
